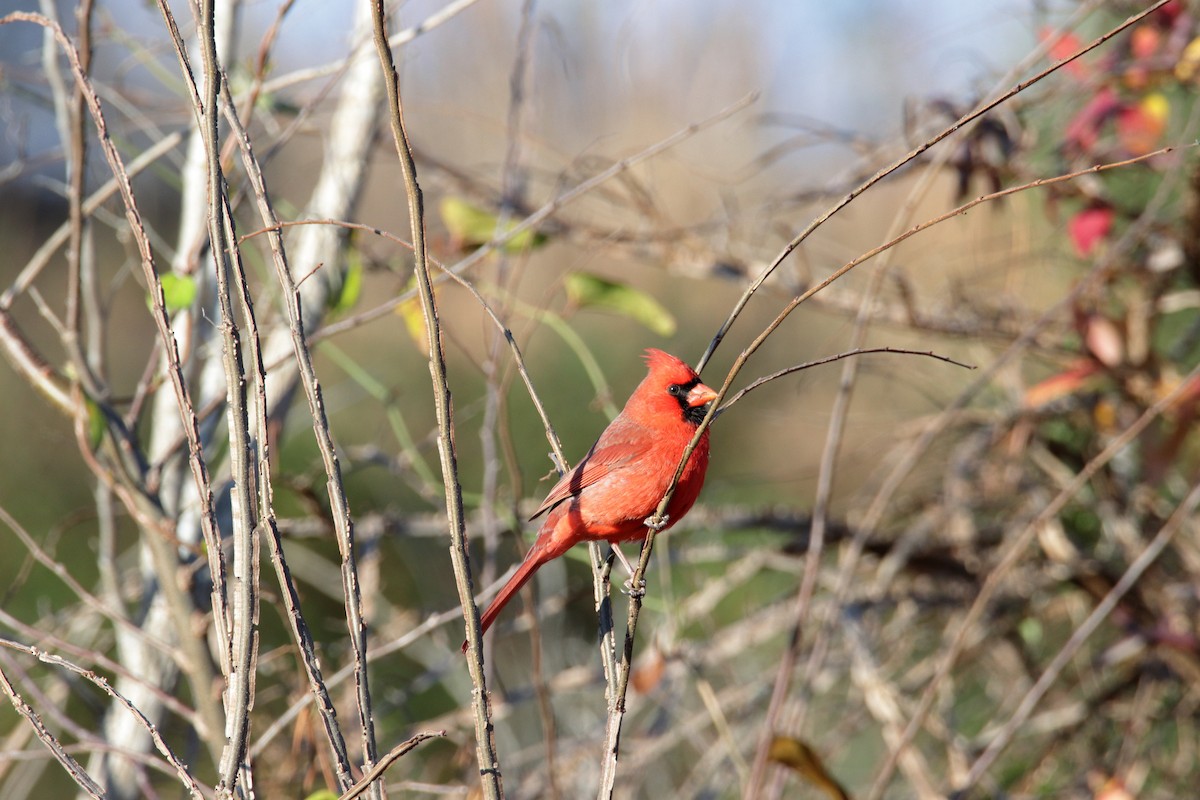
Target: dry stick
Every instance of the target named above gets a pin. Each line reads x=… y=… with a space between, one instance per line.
x=77 y=167
x=512 y=189
x=859 y=351
x=910 y=156
x=255 y=508
x=339 y=505
x=73 y=767
x=338 y=502
x=376 y=772
x=294 y=303
x=485 y=746
x=236 y=634
x=181 y=770
x=1182 y=514
x=158 y=306
x=321 y=425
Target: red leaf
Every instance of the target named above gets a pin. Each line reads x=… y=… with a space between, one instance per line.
x=1089 y=227
x=1140 y=128
x=1084 y=128
x=1144 y=41
x=1065 y=45
x=1063 y=384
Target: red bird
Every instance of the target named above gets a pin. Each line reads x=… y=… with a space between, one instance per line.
x=620 y=482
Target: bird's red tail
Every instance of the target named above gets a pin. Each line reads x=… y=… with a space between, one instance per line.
x=534 y=559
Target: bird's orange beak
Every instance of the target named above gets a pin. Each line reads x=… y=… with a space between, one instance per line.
x=700 y=395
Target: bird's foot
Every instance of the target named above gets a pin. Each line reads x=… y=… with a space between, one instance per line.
x=656 y=523
x=629 y=589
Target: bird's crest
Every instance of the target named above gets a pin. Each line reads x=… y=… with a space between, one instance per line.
x=668 y=365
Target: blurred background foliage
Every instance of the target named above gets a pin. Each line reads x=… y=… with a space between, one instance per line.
x=1077 y=301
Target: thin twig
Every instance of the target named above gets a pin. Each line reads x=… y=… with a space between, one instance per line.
x=899 y=163
x=485 y=747
x=73 y=767
x=385 y=763
x=181 y=770
x=861 y=351
x=235 y=628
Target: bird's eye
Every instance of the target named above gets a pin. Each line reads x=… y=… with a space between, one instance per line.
x=675 y=390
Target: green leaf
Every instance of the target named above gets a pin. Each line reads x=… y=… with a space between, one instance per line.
x=97 y=424
x=323 y=794
x=351 y=284
x=591 y=291
x=1030 y=631
x=472 y=226
x=179 y=291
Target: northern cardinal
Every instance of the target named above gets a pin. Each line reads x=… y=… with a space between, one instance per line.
x=619 y=483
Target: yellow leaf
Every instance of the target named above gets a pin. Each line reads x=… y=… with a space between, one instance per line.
x=800 y=757
x=1189 y=61
x=414 y=319
x=1140 y=127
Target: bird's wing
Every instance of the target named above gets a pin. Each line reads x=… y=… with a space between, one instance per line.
x=608 y=454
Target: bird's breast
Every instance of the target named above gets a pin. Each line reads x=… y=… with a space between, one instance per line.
x=616 y=507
